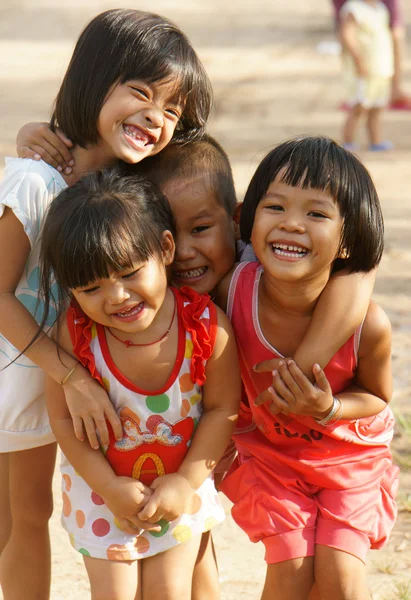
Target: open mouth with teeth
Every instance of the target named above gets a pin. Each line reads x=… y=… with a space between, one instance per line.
x=288 y=251
x=137 y=137
x=130 y=313
x=191 y=274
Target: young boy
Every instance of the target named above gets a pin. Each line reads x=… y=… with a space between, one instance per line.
x=368 y=68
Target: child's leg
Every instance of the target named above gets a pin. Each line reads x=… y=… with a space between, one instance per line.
x=374 y=125
x=206 y=585
x=351 y=124
x=5 y=512
x=114 y=580
x=289 y=580
x=25 y=565
x=340 y=575
x=169 y=575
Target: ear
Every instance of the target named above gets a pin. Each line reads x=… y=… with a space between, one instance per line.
x=343 y=253
x=168 y=247
x=236 y=219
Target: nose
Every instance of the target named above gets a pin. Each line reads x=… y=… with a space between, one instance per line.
x=184 y=248
x=154 y=116
x=118 y=293
x=292 y=221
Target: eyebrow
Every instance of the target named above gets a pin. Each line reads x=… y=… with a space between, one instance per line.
x=204 y=214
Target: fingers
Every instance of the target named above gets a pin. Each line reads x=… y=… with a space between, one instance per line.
x=26 y=152
x=140 y=525
x=66 y=141
x=89 y=425
x=321 y=380
x=266 y=365
x=264 y=397
x=52 y=155
x=294 y=378
x=78 y=428
x=150 y=513
x=114 y=420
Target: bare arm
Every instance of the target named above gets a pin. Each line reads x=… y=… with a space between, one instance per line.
x=37 y=141
x=19 y=327
x=221 y=395
x=339 y=311
x=348 y=30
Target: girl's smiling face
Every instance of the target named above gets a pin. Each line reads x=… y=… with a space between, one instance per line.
x=296 y=232
x=130 y=300
x=138 y=119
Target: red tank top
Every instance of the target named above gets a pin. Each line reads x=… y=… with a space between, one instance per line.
x=293 y=430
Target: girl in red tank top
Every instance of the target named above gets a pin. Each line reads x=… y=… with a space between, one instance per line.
x=314 y=479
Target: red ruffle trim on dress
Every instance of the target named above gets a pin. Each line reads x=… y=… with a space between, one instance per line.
x=202 y=330
x=80 y=328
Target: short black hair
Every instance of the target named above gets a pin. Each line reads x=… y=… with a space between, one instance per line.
x=203 y=157
x=320 y=163
x=120 y=45
x=104 y=222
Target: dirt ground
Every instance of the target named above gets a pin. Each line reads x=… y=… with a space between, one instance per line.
x=271 y=82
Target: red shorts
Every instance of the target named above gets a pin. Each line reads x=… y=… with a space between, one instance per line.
x=277 y=506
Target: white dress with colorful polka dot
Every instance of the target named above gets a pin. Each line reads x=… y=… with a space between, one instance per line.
x=158 y=428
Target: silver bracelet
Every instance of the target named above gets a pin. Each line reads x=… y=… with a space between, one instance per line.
x=333 y=411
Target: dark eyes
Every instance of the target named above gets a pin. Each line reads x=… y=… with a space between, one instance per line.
x=201 y=228
x=140 y=91
x=312 y=213
x=174 y=112
x=317 y=215
x=130 y=275
x=90 y=290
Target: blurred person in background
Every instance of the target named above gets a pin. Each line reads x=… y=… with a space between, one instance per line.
x=399 y=99
x=368 y=67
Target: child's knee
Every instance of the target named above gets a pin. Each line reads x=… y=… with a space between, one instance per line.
x=35 y=512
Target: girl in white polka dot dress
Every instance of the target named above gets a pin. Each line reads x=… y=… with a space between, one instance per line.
x=168 y=361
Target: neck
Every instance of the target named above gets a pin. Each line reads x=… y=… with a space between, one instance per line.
x=294 y=299
x=87 y=160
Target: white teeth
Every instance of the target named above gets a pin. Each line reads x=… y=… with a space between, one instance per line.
x=191 y=274
x=131 y=311
x=288 y=251
x=136 y=135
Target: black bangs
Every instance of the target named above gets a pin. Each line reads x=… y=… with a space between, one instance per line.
x=98 y=250
x=314 y=164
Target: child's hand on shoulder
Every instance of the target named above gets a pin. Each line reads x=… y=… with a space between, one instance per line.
x=172 y=496
x=292 y=392
x=125 y=497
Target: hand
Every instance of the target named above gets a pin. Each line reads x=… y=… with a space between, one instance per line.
x=125 y=497
x=89 y=406
x=267 y=366
x=171 y=498
x=293 y=392
x=37 y=141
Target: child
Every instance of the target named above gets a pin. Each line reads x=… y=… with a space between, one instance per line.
x=161 y=354
x=368 y=67
x=314 y=479
x=134 y=83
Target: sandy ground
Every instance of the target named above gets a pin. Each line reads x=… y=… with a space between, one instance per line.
x=270 y=83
